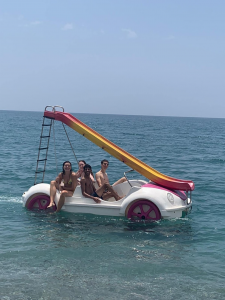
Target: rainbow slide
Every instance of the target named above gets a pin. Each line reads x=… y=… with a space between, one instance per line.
x=119 y=153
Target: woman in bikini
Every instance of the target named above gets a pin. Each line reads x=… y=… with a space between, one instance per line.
x=66 y=183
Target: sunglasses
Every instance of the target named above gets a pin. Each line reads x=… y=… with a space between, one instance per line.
x=105 y=164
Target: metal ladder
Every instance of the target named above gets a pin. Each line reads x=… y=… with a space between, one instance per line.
x=42 y=156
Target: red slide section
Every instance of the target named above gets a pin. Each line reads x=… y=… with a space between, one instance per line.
x=119 y=153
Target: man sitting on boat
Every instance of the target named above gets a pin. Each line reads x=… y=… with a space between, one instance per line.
x=102 y=177
x=66 y=183
x=88 y=189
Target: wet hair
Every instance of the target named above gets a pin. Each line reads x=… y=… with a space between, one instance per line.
x=87 y=166
x=104 y=160
x=82 y=161
x=63 y=171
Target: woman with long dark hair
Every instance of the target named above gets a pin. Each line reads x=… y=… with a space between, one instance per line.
x=65 y=182
x=80 y=172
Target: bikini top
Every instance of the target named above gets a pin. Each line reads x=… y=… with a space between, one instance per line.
x=63 y=181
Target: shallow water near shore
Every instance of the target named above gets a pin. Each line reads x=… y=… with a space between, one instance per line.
x=68 y=256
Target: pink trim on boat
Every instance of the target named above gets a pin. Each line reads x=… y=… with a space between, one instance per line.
x=180 y=194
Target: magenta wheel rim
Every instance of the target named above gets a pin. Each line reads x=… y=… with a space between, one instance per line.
x=39 y=202
x=144 y=210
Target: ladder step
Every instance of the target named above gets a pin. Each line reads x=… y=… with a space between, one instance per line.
x=40 y=171
x=44 y=148
x=44 y=136
x=46 y=124
x=42 y=159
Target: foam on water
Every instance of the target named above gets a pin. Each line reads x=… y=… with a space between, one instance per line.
x=11 y=199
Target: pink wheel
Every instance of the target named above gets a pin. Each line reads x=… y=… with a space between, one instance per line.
x=143 y=210
x=39 y=201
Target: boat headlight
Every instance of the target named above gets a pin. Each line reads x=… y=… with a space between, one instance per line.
x=170 y=198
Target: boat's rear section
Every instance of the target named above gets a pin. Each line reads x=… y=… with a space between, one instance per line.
x=37 y=197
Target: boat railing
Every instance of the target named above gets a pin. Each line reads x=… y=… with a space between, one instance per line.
x=126 y=176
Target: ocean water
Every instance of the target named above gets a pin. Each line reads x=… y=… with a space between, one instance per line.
x=67 y=256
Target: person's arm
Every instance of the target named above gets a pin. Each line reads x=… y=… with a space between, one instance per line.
x=92 y=178
x=78 y=173
x=98 y=179
x=58 y=180
x=74 y=183
x=82 y=182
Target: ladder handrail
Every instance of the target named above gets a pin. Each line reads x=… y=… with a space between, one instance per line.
x=43 y=148
x=53 y=107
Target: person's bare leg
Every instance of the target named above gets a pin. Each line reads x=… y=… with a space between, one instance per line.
x=115 y=195
x=110 y=189
x=61 y=202
x=121 y=180
x=52 y=193
x=107 y=195
x=101 y=190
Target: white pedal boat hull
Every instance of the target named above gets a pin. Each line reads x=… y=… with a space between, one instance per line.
x=143 y=201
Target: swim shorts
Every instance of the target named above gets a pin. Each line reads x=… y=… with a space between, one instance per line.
x=96 y=195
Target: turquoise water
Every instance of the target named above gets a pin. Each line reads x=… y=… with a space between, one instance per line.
x=66 y=256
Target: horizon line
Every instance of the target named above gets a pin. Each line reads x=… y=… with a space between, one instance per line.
x=38 y=111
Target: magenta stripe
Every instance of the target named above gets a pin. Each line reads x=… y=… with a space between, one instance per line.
x=180 y=194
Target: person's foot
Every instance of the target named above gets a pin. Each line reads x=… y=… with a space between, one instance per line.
x=50 y=205
x=120 y=198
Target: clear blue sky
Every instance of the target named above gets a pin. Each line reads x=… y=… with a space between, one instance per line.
x=147 y=57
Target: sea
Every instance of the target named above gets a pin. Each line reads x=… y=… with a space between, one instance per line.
x=76 y=256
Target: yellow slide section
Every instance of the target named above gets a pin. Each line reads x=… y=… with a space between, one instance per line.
x=119 y=153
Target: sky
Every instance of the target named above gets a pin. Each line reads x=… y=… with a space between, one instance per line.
x=142 y=57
